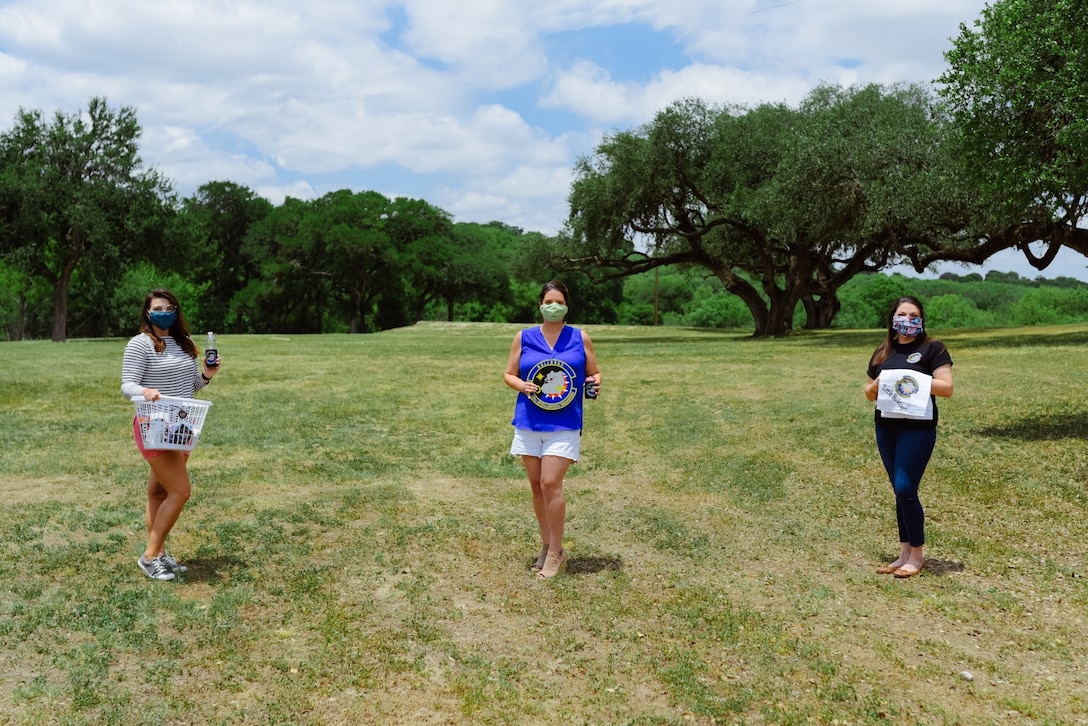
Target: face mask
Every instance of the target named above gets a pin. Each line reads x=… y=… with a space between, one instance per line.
x=553 y=312
x=907 y=325
x=163 y=319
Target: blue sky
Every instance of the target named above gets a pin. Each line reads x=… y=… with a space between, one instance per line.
x=480 y=107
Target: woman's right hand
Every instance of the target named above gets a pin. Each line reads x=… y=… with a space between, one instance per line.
x=152 y=394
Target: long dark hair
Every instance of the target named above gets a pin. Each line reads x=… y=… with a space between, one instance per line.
x=557 y=285
x=881 y=354
x=179 y=331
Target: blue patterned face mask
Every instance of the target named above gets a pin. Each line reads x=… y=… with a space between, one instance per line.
x=162 y=319
x=908 y=326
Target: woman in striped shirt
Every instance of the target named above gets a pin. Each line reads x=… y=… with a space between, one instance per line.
x=162 y=361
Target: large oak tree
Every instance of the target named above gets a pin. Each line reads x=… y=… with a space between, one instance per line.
x=74 y=196
x=783 y=205
x=1017 y=89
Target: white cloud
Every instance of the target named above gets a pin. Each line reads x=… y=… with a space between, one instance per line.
x=590 y=90
x=485 y=43
x=277 y=193
x=458 y=104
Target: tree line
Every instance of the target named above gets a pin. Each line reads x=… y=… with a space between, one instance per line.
x=790 y=210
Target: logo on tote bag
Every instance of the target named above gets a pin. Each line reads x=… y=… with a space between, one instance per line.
x=907 y=386
x=555 y=381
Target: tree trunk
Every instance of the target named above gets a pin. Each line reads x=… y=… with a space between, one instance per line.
x=780 y=311
x=819 y=314
x=60 y=287
x=779 y=318
x=756 y=306
x=357 y=314
x=60 y=305
x=449 y=309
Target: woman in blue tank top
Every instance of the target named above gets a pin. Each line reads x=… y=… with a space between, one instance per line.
x=549 y=366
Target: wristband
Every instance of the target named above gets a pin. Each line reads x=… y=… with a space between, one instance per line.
x=206 y=379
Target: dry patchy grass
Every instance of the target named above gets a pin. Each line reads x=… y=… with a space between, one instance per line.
x=359 y=541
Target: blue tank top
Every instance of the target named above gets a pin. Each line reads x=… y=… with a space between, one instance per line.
x=560 y=373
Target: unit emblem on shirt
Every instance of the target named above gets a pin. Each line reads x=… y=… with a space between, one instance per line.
x=555 y=381
x=914 y=357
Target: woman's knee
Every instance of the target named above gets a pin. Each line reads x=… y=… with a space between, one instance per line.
x=551 y=487
x=171 y=475
x=906 y=492
x=904 y=485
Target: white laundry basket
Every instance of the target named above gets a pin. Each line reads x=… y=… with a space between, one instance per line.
x=171 y=423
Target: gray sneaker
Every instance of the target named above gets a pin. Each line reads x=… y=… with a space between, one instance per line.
x=156 y=569
x=172 y=564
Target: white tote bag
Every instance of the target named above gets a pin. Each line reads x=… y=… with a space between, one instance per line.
x=903 y=393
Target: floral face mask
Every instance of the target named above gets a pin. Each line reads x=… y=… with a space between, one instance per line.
x=907 y=325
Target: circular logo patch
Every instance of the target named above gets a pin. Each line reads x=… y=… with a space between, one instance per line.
x=907 y=386
x=555 y=381
x=914 y=357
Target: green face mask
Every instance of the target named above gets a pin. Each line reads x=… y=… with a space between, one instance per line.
x=553 y=312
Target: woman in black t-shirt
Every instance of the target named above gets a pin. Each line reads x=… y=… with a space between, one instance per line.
x=906 y=431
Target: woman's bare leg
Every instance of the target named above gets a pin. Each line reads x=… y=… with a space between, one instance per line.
x=168 y=474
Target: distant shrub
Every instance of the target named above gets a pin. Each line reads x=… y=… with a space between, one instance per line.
x=720 y=310
x=635 y=312
x=1050 y=306
x=955 y=311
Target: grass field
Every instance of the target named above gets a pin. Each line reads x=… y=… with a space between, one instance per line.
x=359 y=540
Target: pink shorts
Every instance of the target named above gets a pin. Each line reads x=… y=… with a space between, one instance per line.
x=148 y=454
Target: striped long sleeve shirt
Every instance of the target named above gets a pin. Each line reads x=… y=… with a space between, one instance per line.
x=173 y=372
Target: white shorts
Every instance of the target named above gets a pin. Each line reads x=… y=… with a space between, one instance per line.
x=567 y=444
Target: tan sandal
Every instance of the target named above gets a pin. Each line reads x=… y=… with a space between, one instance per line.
x=554 y=564
x=539 y=564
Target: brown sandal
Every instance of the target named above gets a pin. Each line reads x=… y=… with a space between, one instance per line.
x=903 y=574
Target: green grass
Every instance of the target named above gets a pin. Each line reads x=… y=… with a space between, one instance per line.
x=359 y=540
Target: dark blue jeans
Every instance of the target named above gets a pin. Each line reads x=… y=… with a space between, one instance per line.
x=905 y=454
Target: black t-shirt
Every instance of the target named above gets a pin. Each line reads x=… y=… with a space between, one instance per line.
x=922 y=357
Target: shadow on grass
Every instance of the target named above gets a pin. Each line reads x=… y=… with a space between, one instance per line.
x=211 y=570
x=938 y=567
x=942 y=567
x=995 y=338
x=711 y=336
x=957 y=339
x=1073 y=425
x=592 y=565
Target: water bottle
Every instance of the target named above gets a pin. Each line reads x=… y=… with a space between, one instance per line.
x=591 y=388
x=211 y=351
